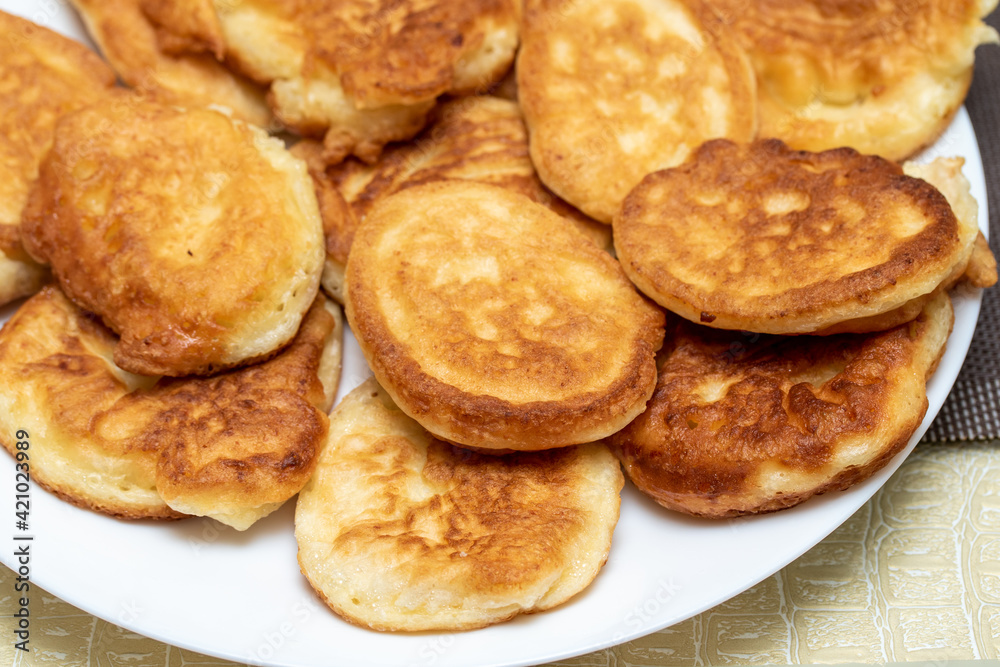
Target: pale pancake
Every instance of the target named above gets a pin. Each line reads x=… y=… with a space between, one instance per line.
x=762 y=238
x=195 y=237
x=477 y=138
x=128 y=39
x=362 y=73
x=615 y=89
x=493 y=323
x=882 y=77
x=43 y=76
x=232 y=447
x=748 y=424
x=946 y=175
x=400 y=531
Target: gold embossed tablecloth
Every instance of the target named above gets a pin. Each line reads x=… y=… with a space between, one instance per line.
x=913 y=575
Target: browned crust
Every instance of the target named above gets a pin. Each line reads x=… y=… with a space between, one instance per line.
x=815 y=305
x=712 y=459
x=486 y=421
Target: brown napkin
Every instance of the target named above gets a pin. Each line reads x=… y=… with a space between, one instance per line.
x=972 y=410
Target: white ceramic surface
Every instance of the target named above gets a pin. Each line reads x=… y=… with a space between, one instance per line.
x=202 y=586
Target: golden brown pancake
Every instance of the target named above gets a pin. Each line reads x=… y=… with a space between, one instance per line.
x=362 y=73
x=400 y=531
x=494 y=323
x=744 y=424
x=762 y=238
x=196 y=237
x=232 y=447
x=615 y=89
x=477 y=138
x=43 y=76
x=129 y=40
x=882 y=77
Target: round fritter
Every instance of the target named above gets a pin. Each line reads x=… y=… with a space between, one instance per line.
x=748 y=423
x=364 y=73
x=494 y=323
x=128 y=38
x=43 y=76
x=232 y=447
x=477 y=138
x=763 y=238
x=196 y=237
x=882 y=77
x=400 y=531
x=614 y=90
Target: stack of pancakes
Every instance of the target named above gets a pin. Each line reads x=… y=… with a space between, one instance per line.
x=675 y=237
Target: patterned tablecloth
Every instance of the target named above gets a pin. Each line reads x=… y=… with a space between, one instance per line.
x=914 y=575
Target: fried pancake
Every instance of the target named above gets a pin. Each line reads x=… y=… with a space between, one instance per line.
x=749 y=424
x=882 y=77
x=762 y=238
x=478 y=138
x=43 y=76
x=493 y=323
x=196 y=237
x=232 y=447
x=400 y=531
x=362 y=72
x=945 y=174
x=129 y=40
x=614 y=90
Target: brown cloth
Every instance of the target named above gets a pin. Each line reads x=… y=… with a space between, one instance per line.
x=972 y=410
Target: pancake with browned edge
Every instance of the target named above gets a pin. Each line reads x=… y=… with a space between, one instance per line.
x=196 y=237
x=400 y=531
x=494 y=323
x=881 y=77
x=615 y=89
x=232 y=447
x=743 y=424
x=763 y=238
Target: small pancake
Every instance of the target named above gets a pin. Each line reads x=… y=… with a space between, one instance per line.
x=750 y=424
x=882 y=77
x=129 y=40
x=496 y=325
x=400 y=531
x=232 y=447
x=477 y=138
x=43 y=76
x=196 y=237
x=366 y=73
x=615 y=89
x=762 y=238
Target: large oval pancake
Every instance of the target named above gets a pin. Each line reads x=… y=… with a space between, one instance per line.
x=743 y=424
x=233 y=447
x=882 y=77
x=43 y=76
x=763 y=238
x=494 y=323
x=196 y=237
x=612 y=91
x=361 y=73
x=478 y=138
x=128 y=39
x=400 y=531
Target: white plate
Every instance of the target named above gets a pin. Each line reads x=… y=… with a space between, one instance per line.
x=201 y=586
